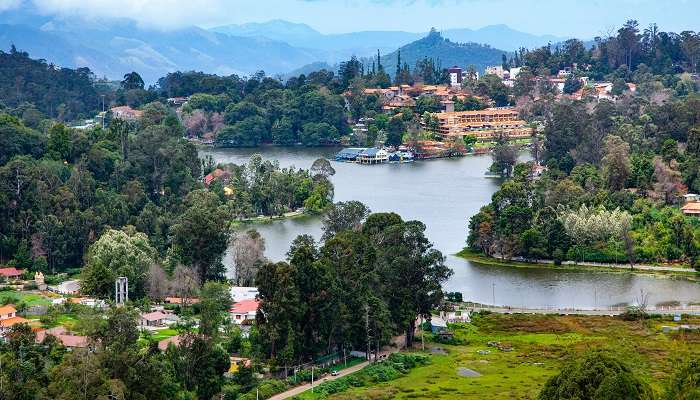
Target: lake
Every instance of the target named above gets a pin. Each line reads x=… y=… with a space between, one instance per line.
x=444 y=194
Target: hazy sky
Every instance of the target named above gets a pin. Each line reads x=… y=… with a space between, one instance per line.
x=580 y=18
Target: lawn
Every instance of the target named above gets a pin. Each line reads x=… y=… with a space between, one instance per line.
x=540 y=345
x=31 y=299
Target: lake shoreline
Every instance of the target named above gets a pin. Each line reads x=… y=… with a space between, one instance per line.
x=473 y=256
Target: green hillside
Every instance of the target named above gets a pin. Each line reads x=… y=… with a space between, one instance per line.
x=446 y=52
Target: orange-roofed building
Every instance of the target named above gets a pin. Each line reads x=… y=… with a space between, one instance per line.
x=244 y=310
x=9 y=318
x=691 y=208
x=216 y=174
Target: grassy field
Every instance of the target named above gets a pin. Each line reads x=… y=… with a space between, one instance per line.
x=540 y=345
x=31 y=299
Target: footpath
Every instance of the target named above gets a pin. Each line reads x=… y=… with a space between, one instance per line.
x=303 y=388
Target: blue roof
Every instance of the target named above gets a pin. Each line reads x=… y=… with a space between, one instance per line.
x=372 y=151
x=350 y=151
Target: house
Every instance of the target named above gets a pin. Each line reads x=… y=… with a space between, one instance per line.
x=455 y=74
x=349 y=154
x=9 y=318
x=691 y=209
x=495 y=70
x=11 y=273
x=240 y=293
x=244 y=310
x=126 y=113
x=215 y=175
x=152 y=320
x=373 y=155
x=691 y=197
x=66 y=338
x=67 y=287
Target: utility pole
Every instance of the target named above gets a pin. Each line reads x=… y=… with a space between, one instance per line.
x=312 y=378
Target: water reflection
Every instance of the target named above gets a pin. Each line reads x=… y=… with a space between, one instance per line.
x=444 y=194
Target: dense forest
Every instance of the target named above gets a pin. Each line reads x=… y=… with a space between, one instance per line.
x=35 y=87
x=616 y=176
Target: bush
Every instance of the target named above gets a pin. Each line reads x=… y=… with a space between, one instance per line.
x=634 y=313
x=558 y=256
x=684 y=384
x=598 y=376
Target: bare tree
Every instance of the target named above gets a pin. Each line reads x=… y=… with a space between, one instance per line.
x=157 y=283
x=248 y=253
x=185 y=282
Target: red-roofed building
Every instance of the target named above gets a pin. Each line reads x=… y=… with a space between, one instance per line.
x=216 y=174
x=66 y=338
x=152 y=319
x=244 y=310
x=11 y=273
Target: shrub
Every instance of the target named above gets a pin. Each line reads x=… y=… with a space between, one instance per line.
x=684 y=384
x=598 y=376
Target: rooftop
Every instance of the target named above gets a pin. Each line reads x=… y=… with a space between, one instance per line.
x=245 y=306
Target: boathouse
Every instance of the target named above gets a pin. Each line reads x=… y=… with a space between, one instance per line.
x=373 y=155
x=349 y=154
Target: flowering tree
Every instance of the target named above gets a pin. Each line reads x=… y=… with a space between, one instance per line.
x=588 y=225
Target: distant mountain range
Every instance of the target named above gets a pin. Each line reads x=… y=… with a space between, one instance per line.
x=302 y=35
x=115 y=47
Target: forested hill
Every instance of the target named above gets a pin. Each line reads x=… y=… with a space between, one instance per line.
x=61 y=93
x=446 y=52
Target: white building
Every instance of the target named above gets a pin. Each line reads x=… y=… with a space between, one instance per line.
x=240 y=293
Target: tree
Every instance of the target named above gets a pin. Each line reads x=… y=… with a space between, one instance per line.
x=617 y=167
x=132 y=81
x=248 y=250
x=597 y=376
x=201 y=234
x=668 y=183
x=117 y=253
x=395 y=131
x=343 y=216
x=505 y=156
x=572 y=84
x=322 y=167
x=215 y=302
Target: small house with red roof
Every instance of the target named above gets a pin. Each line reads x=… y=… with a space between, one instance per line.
x=66 y=338
x=11 y=273
x=244 y=310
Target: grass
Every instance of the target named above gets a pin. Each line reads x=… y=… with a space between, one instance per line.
x=541 y=345
x=31 y=299
x=480 y=258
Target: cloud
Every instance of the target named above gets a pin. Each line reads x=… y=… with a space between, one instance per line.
x=153 y=13
x=9 y=4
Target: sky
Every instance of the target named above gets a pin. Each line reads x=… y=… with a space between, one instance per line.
x=577 y=18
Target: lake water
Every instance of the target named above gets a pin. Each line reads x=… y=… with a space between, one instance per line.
x=444 y=194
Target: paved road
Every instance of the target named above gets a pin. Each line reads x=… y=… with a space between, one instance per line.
x=303 y=388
